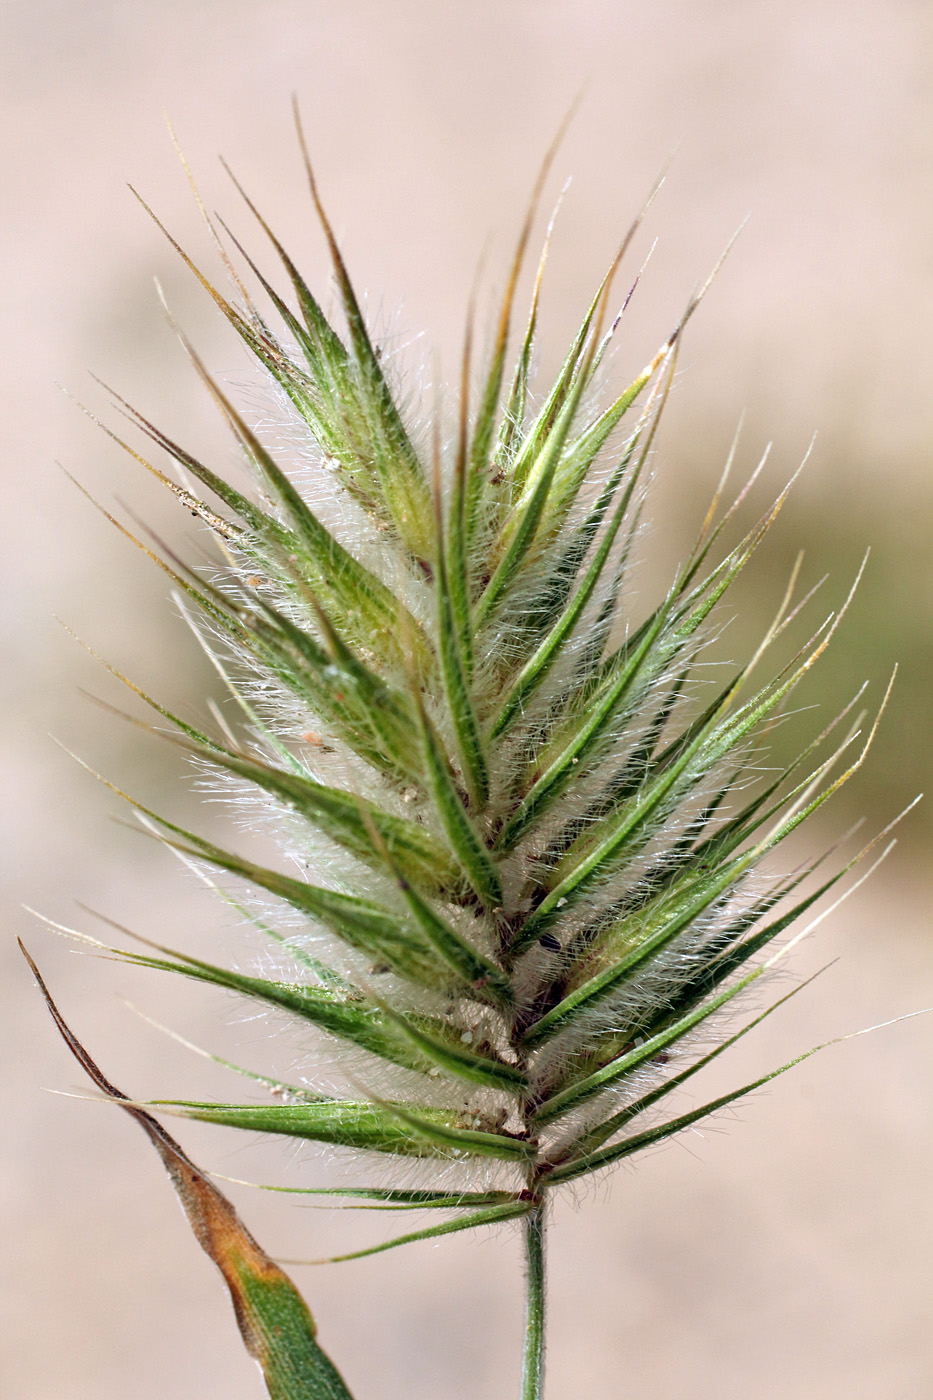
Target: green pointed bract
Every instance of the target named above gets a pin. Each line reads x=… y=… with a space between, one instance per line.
x=607 y=1127
x=386 y=711
x=526 y=841
x=456 y=1059
x=467 y=961
x=513 y=408
x=670 y=922
x=362 y=924
x=581 y=454
x=327 y=355
x=401 y=475
x=549 y=779
x=456 y=668
x=344 y=817
x=608 y=1156
x=528 y=451
x=495 y=1215
x=558 y=583
x=395 y=1199
x=456 y=540
x=472 y=853
x=535 y=670
x=521 y=524
x=352 y=1020
x=575 y=1095
x=415 y=1043
x=369 y=716
x=367 y=1127
x=700 y=750
x=609 y=692
x=334 y=573
x=480 y=473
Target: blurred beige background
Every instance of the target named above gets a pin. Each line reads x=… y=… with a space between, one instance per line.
x=782 y=1252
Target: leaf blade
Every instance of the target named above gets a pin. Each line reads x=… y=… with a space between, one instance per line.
x=274 y=1321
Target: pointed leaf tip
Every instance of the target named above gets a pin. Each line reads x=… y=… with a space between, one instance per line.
x=275 y=1324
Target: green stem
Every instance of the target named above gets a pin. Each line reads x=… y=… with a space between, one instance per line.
x=533 y=1360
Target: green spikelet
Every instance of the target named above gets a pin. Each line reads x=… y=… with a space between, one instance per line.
x=528 y=833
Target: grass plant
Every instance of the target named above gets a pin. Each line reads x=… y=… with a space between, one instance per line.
x=529 y=867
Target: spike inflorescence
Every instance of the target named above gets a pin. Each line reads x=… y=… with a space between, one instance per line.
x=531 y=864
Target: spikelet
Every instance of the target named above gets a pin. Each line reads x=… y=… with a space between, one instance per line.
x=530 y=851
